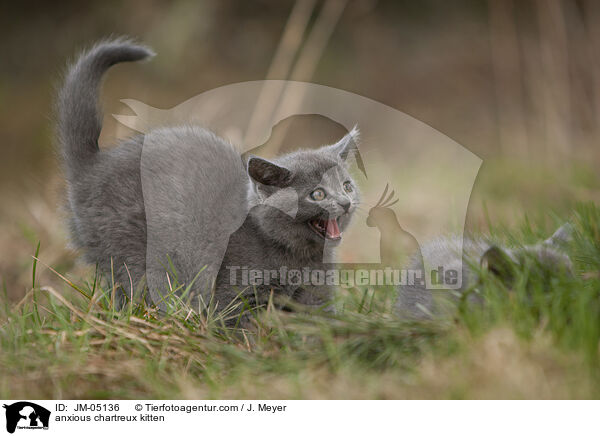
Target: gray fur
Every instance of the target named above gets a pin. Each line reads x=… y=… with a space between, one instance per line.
x=415 y=301
x=79 y=117
x=272 y=237
x=194 y=192
x=185 y=193
x=102 y=187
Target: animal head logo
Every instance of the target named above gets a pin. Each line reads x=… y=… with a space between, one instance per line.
x=26 y=415
x=432 y=175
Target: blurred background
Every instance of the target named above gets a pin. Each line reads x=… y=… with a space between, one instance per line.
x=515 y=82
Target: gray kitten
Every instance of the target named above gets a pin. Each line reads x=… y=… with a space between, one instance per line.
x=180 y=203
x=415 y=301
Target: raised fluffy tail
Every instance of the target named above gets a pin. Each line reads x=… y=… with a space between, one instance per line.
x=79 y=114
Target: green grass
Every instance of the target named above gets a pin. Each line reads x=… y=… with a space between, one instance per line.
x=538 y=339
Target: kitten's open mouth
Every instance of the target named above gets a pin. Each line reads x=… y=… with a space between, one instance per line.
x=327 y=229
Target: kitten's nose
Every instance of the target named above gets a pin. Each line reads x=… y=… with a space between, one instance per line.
x=345 y=204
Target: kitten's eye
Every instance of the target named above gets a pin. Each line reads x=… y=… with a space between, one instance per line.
x=348 y=187
x=317 y=194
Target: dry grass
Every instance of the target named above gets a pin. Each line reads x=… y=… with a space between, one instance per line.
x=538 y=340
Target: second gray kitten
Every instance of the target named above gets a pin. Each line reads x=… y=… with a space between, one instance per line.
x=185 y=196
x=416 y=301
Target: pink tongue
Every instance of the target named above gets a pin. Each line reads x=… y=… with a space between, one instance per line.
x=333 y=231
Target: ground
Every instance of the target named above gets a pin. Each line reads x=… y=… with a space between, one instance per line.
x=62 y=338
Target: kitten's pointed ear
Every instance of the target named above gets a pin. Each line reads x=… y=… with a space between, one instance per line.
x=268 y=173
x=562 y=236
x=498 y=262
x=347 y=145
